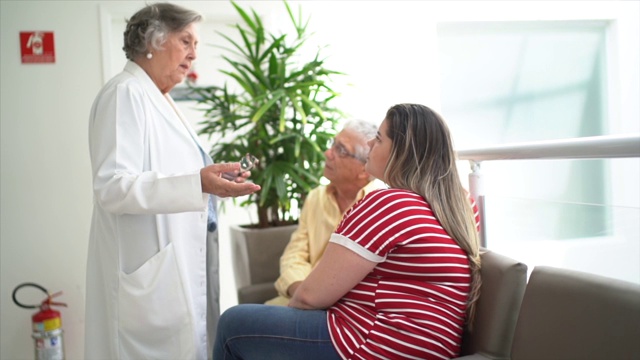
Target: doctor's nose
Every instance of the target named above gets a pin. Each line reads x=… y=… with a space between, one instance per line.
x=192 y=53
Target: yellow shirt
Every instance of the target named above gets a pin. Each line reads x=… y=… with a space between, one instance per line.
x=319 y=217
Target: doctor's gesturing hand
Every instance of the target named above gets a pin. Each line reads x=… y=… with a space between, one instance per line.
x=220 y=180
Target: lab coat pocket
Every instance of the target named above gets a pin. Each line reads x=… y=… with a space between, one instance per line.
x=154 y=321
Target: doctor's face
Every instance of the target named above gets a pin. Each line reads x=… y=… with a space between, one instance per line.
x=169 y=66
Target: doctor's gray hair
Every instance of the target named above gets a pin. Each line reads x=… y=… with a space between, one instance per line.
x=367 y=131
x=150 y=26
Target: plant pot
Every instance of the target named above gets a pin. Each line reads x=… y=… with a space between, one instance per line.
x=256 y=260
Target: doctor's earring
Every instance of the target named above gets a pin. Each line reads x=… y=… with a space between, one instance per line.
x=149 y=56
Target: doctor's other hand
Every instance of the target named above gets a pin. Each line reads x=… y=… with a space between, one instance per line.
x=215 y=181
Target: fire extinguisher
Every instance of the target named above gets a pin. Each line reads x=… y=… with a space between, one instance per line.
x=46 y=325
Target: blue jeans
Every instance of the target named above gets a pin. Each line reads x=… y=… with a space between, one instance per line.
x=253 y=331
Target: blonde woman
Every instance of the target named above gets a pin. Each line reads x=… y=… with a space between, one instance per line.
x=400 y=275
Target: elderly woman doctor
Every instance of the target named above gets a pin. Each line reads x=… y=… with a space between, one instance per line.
x=152 y=274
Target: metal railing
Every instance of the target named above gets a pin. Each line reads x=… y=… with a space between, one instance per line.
x=596 y=147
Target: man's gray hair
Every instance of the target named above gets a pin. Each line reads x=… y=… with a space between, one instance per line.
x=367 y=131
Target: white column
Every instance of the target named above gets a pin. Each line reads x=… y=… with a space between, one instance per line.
x=476 y=189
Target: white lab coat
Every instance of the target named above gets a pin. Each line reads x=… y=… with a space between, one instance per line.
x=147 y=262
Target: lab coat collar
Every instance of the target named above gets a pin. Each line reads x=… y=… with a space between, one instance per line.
x=165 y=104
x=154 y=93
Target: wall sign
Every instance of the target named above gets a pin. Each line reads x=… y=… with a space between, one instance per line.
x=37 y=47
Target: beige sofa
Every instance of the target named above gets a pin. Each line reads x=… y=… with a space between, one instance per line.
x=503 y=286
x=568 y=315
x=255 y=258
x=558 y=314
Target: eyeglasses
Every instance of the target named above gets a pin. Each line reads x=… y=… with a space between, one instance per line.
x=342 y=151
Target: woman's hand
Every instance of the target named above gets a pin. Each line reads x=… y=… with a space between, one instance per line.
x=218 y=179
x=338 y=271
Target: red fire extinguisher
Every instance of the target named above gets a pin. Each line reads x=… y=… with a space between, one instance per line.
x=46 y=325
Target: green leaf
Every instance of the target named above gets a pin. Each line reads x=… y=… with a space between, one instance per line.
x=280 y=110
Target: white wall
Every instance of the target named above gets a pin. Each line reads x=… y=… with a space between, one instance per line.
x=46 y=176
x=388 y=48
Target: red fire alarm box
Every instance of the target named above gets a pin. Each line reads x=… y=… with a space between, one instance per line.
x=37 y=47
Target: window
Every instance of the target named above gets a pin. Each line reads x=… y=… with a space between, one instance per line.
x=508 y=82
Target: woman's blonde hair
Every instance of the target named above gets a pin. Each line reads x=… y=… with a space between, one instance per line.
x=422 y=160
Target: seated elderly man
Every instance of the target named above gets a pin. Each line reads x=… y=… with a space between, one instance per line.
x=325 y=205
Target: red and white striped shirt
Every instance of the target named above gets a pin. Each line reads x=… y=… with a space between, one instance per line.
x=412 y=305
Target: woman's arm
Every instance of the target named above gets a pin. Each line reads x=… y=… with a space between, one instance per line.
x=339 y=270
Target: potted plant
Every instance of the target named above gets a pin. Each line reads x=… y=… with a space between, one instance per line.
x=276 y=106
